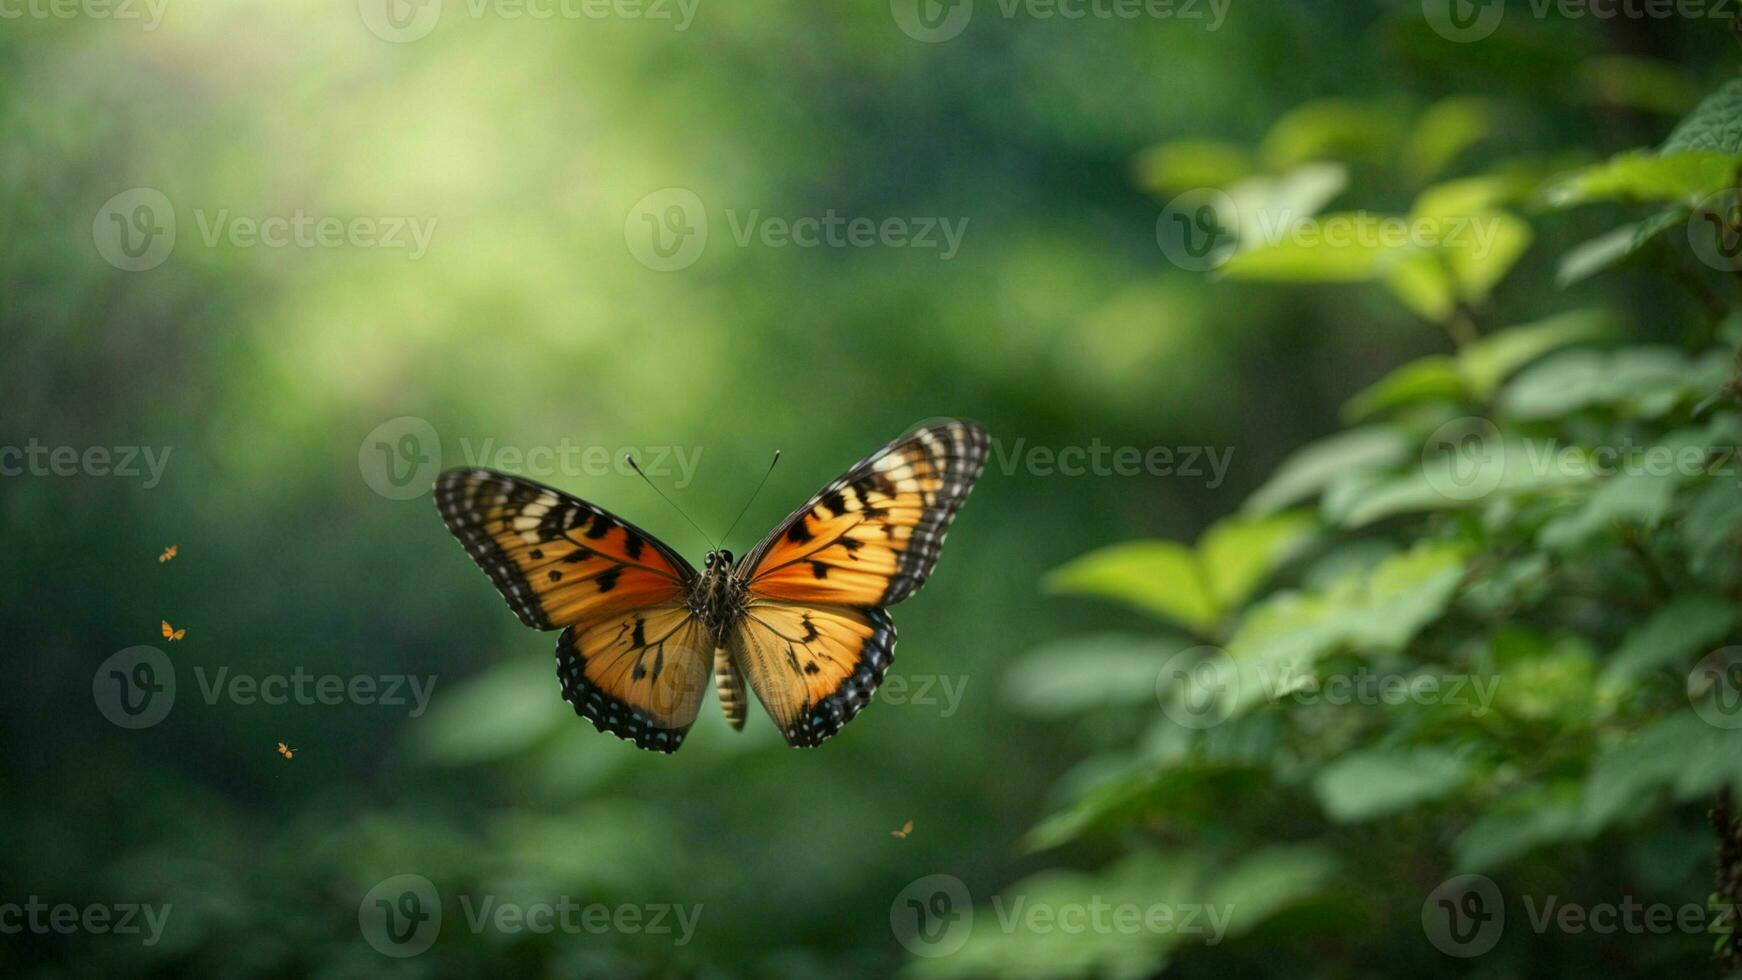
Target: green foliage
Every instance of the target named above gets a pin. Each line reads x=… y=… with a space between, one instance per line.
x=1530 y=541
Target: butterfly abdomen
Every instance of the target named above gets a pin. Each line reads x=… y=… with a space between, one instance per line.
x=730 y=686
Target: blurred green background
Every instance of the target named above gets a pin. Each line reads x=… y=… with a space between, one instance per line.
x=529 y=147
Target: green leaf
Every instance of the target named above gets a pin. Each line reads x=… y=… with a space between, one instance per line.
x=1264 y=208
x=1183 y=165
x=1422 y=281
x=1588 y=258
x=1674 y=636
x=1642 y=176
x=1310 y=256
x=1713 y=527
x=1487 y=362
x=1374 y=783
x=1518 y=823
x=1715 y=124
x=1448 y=128
x=1158 y=577
x=1021 y=936
x=1083 y=673
x=1680 y=757
x=1428 y=379
x=1481 y=258
x=1638 y=83
x=1270 y=880
x=1625 y=499
x=1376 y=611
x=1237 y=553
x=1194 y=588
x=1331 y=129
x=1312 y=467
x=1645 y=381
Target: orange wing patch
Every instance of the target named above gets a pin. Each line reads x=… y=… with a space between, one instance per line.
x=557 y=559
x=639 y=675
x=872 y=537
x=813 y=667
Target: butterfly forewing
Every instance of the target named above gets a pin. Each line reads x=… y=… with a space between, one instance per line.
x=815 y=642
x=558 y=560
x=872 y=537
x=633 y=660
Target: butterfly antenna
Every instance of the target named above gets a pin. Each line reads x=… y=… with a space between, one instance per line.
x=637 y=468
x=752 y=499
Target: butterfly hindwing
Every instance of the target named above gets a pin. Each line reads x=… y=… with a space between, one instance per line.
x=812 y=667
x=639 y=675
x=872 y=537
x=558 y=560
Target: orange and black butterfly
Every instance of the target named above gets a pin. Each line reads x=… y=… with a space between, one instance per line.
x=801 y=616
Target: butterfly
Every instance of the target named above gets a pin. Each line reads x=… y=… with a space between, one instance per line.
x=801 y=617
x=171 y=633
x=168 y=553
x=286 y=751
x=906 y=828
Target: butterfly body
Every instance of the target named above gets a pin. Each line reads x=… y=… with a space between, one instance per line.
x=801 y=617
